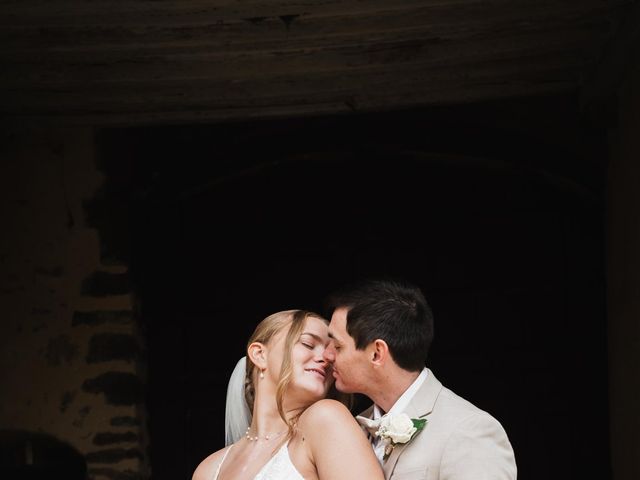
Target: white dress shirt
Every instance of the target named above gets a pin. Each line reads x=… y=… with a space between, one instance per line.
x=398 y=407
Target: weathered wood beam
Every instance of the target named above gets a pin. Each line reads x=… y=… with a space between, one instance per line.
x=356 y=91
x=345 y=105
x=75 y=69
x=265 y=33
x=137 y=12
x=138 y=59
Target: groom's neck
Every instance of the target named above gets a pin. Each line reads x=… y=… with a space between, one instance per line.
x=392 y=383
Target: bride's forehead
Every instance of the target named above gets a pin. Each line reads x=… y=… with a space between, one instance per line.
x=316 y=326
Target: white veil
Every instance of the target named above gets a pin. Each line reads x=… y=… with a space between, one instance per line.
x=237 y=416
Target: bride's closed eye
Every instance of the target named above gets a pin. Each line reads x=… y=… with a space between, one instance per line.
x=310 y=340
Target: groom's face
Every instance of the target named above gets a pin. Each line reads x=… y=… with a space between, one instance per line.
x=349 y=364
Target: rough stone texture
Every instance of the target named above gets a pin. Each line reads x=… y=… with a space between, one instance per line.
x=83 y=412
x=50 y=272
x=124 y=421
x=121 y=317
x=105 y=347
x=46 y=176
x=623 y=301
x=102 y=284
x=113 y=455
x=61 y=350
x=109 y=438
x=113 y=474
x=119 y=388
x=66 y=400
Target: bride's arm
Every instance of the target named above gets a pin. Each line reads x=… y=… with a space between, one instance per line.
x=338 y=445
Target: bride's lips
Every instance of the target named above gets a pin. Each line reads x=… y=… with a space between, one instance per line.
x=318 y=371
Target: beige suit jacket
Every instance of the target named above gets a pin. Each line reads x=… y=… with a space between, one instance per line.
x=459 y=441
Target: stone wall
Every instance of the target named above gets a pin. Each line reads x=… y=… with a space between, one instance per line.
x=623 y=279
x=69 y=342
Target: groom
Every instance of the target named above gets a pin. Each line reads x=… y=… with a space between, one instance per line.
x=380 y=334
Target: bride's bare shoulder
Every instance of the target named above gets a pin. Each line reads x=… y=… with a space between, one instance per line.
x=326 y=412
x=207 y=467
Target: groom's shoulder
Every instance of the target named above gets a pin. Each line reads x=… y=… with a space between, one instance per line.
x=459 y=411
x=450 y=398
x=445 y=398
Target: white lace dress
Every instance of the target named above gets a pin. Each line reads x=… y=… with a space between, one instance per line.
x=278 y=468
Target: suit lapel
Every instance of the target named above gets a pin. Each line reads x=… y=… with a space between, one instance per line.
x=390 y=463
x=424 y=400
x=421 y=405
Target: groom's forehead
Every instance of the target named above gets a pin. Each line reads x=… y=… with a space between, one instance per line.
x=339 y=317
x=338 y=331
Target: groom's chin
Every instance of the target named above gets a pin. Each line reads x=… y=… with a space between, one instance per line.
x=341 y=387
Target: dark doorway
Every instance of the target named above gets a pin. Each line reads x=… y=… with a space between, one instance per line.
x=497 y=219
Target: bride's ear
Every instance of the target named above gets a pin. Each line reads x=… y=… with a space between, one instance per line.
x=257 y=354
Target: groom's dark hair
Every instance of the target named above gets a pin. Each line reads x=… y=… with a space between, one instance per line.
x=392 y=310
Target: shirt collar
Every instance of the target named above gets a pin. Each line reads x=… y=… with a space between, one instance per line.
x=405 y=398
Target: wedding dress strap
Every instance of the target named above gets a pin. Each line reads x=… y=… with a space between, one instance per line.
x=279 y=466
x=215 y=477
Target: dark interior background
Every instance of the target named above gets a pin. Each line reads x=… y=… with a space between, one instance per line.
x=492 y=208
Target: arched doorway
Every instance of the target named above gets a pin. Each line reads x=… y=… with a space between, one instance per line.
x=503 y=233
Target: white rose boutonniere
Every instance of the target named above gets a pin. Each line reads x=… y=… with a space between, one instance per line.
x=395 y=429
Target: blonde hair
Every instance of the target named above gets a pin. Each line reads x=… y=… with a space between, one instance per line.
x=295 y=320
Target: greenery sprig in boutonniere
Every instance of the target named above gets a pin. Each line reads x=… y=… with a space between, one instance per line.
x=396 y=429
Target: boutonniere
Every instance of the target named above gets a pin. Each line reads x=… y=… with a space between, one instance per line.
x=395 y=429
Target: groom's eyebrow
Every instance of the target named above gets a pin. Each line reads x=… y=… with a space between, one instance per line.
x=333 y=337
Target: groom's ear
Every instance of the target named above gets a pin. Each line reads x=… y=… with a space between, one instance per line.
x=257 y=353
x=379 y=352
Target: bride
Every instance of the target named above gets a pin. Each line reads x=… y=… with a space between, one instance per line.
x=280 y=425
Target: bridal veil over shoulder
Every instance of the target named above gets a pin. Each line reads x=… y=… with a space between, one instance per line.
x=237 y=415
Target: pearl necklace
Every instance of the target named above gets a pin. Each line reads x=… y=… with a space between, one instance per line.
x=266 y=437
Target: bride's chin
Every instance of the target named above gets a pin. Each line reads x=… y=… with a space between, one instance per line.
x=319 y=394
x=316 y=390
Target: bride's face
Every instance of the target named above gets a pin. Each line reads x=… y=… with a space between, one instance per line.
x=311 y=375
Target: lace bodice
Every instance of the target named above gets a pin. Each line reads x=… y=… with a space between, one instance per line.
x=278 y=468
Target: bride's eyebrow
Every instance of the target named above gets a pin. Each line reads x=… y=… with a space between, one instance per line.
x=317 y=337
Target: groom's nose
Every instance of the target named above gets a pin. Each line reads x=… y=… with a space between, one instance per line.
x=329 y=354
